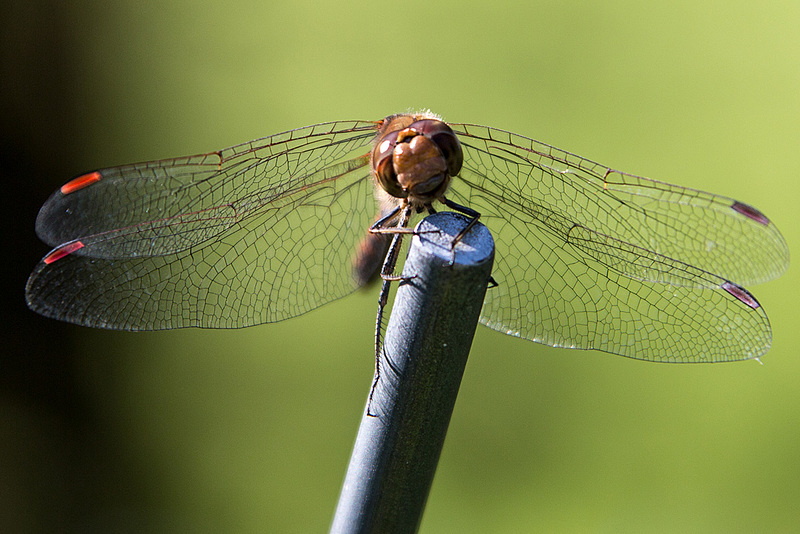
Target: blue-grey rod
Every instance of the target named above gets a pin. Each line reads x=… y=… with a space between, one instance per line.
x=424 y=354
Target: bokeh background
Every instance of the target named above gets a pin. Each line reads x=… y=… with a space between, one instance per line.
x=251 y=430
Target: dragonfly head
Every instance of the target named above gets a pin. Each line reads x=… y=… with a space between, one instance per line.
x=416 y=159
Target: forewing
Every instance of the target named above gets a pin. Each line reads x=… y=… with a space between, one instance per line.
x=256 y=233
x=587 y=263
x=714 y=233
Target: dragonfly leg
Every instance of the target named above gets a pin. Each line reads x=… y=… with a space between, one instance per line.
x=469 y=212
x=388 y=277
x=379 y=227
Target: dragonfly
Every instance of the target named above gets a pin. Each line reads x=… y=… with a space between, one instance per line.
x=587 y=256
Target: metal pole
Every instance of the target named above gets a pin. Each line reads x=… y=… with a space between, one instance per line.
x=424 y=354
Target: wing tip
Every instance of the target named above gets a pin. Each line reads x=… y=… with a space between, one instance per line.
x=61 y=251
x=750 y=212
x=80 y=182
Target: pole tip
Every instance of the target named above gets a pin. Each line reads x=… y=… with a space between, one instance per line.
x=436 y=233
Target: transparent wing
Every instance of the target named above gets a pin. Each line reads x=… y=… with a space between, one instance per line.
x=255 y=233
x=592 y=258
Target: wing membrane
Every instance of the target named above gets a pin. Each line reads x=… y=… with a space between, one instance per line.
x=698 y=228
x=285 y=213
x=591 y=258
x=164 y=206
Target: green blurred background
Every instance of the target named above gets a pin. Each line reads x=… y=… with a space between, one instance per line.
x=251 y=430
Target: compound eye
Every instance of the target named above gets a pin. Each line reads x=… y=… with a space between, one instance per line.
x=383 y=166
x=388 y=179
x=446 y=141
x=450 y=146
x=385 y=147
